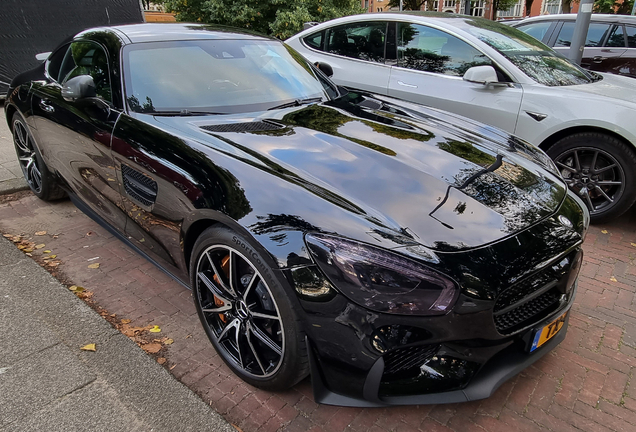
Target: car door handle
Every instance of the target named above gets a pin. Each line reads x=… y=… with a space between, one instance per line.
x=46 y=106
x=407 y=85
x=598 y=59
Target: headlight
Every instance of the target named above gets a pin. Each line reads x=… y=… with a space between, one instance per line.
x=382 y=280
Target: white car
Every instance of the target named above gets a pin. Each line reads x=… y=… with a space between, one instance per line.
x=498 y=75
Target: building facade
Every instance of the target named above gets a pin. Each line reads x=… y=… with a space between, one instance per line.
x=482 y=8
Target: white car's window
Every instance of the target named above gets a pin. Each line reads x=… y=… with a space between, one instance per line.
x=533 y=58
x=595 y=34
x=427 y=49
x=616 y=38
x=536 y=29
x=364 y=41
x=631 y=36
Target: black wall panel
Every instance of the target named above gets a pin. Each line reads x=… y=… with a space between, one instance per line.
x=28 y=27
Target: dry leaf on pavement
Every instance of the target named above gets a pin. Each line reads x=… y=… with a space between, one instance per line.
x=47 y=251
x=76 y=289
x=155 y=329
x=125 y=321
x=604 y=231
x=151 y=348
x=89 y=347
x=40 y=233
x=161 y=360
x=93 y=266
x=168 y=341
x=613 y=279
x=40 y=246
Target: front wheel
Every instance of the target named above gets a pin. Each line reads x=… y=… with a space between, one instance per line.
x=245 y=311
x=35 y=171
x=600 y=169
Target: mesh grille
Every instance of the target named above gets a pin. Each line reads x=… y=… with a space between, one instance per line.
x=257 y=126
x=528 y=312
x=405 y=359
x=130 y=177
x=521 y=290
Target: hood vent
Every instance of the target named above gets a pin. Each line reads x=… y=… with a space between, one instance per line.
x=257 y=126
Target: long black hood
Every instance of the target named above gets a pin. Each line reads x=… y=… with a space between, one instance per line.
x=450 y=183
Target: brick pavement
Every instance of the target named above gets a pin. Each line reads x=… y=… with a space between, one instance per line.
x=586 y=384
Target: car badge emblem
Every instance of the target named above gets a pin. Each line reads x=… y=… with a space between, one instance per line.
x=565 y=221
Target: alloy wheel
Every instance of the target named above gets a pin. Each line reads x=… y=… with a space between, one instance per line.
x=594 y=174
x=26 y=156
x=240 y=312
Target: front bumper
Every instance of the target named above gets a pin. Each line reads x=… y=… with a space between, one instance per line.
x=504 y=365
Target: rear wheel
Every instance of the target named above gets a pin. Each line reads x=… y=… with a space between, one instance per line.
x=246 y=312
x=34 y=169
x=600 y=169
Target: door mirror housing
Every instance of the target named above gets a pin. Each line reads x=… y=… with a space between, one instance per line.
x=79 y=87
x=325 y=68
x=481 y=75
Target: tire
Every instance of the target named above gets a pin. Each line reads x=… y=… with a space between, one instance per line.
x=250 y=321
x=35 y=171
x=600 y=169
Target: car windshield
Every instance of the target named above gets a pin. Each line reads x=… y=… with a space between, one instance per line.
x=218 y=77
x=535 y=59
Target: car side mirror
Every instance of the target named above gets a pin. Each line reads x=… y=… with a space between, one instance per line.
x=79 y=87
x=325 y=68
x=481 y=75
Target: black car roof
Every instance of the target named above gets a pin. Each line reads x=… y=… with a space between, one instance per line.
x=157 y=32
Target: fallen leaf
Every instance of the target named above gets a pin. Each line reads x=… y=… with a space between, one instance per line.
x=21 y=247
x=613 y=279
x=55 y=236
x=634 y=244
x=161 y=360
x=155 y=329
x=90 y=233
x=89 y=347
x=76 y=289
x=28 y=254
x=7 y=235
x=93 y=266
x=40 y=233
x=151 y=348
x=40 y=246
x=173 y=366
x=604 y=231
x=51 y=256
x=125 y=321
x=236 y=427
x=52 y=263
x=47 y=251
x=188 y=336
x=168 y=341
x=27 y=250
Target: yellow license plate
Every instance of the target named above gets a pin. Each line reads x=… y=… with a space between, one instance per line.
x=548 y=332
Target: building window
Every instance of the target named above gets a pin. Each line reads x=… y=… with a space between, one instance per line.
x=551 y=7
x=477 y=8
x=514 y=11
x=366 y=4
x=431 y=7
x=449 y=4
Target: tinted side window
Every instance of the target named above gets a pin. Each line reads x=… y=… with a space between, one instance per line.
x=87 y=58
x=426 y=49
x=631 y=36
x=616 y=37
x=54 y=62
x=536 y=30
x=315 y=40
x=364 y=41
x=594 y=34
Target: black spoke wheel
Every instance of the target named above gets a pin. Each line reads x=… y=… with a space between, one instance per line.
x=245 y=311
x=34 y=170
x=600 y=170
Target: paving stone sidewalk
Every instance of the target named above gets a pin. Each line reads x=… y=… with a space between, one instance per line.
x=587 y=384
x=11 y=178
x=48 y=383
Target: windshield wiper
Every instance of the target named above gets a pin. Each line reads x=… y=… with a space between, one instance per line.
x=297 y=102
x=183 y=112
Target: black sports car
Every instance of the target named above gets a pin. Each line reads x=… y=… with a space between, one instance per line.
x=399 y=254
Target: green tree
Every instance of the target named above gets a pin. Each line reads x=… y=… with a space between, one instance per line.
x=279 y=18
x=502 y=5
x=612 y=6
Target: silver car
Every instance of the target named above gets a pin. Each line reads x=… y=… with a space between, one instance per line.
x=499 y=76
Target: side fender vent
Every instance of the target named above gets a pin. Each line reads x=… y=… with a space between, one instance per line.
x=257 y=126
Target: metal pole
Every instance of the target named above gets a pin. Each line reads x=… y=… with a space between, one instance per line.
x=400 y=5
x=467 y=7
x=580 y=31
